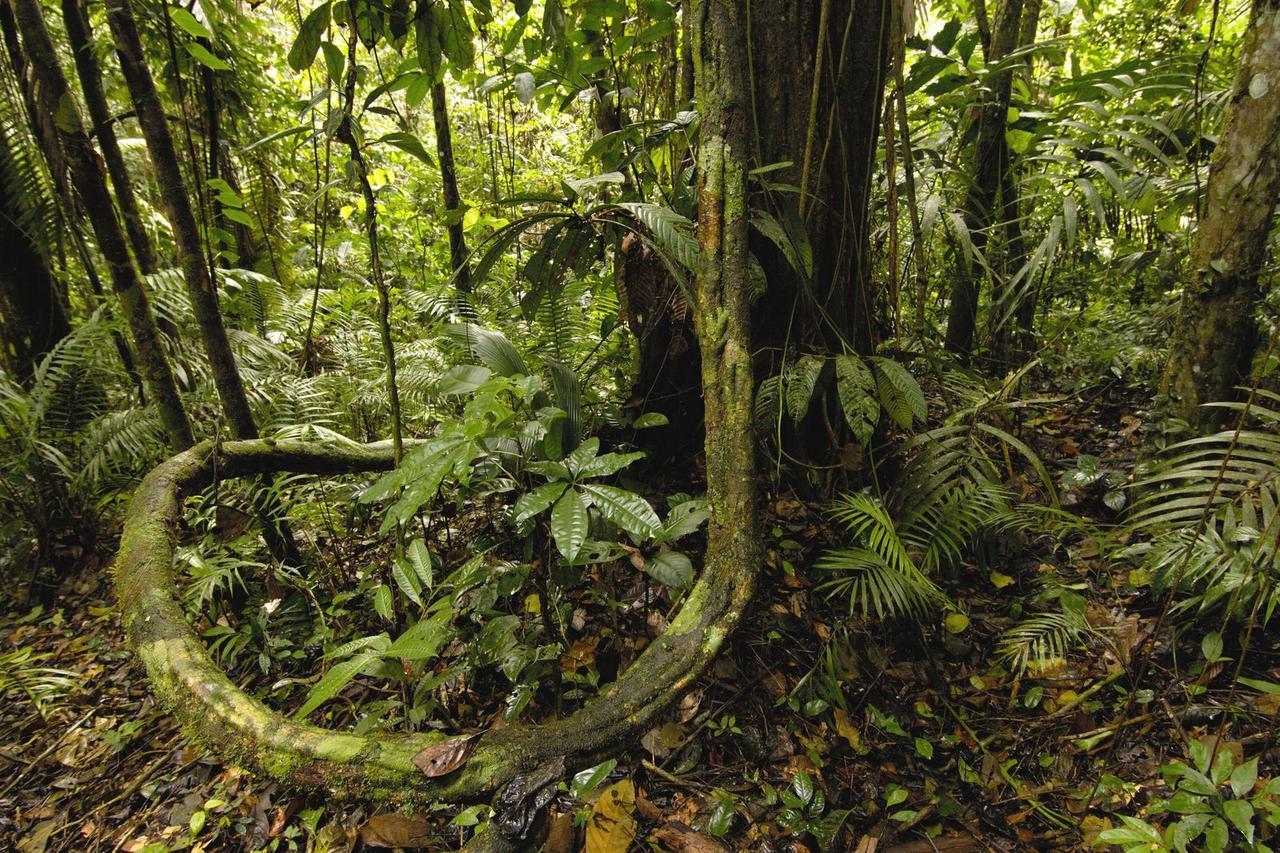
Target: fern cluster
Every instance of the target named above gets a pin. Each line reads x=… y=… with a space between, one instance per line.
x=1206 y=512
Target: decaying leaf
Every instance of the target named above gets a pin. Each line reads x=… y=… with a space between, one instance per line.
x=395 y=830
x=679 y=838
x=612 y=825
x=443 y=758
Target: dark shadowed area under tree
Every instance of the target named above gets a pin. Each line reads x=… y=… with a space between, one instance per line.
x=639 y=425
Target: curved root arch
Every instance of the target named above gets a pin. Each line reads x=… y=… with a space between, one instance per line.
x=233 y=724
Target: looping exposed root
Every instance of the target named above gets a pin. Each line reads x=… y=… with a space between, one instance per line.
x=231 y=723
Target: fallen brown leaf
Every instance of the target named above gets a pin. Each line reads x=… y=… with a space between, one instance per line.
x=443 y=758
x=394 y=830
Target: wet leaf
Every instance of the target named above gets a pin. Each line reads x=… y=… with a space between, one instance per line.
x=612 y=825
x=395 y=830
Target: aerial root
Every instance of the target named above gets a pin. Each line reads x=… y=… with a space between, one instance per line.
x=519 y=763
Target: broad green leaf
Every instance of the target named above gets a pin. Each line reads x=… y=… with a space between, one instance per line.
x=569 y=522
x=855 y=388
x=382 y=601
x=650 y=419
x=537 y=501
x=626 y=509
x=900 y=394
x=407 y=580
x=802 y=382
x=422 y=640
x=462 y=379
x=203 y=55
x=334 y=61
x=609 y=464
x=238 y=216
x=303 y=51
x=420 y=562
x=338 y=677
x=410 y=144
x=1216 y=835
x=189 y=24
x=671 y=568
x=1244 y=777
x=1240 y=813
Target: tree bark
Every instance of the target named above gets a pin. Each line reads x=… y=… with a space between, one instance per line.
x=1217 y=335
x=837 y=150
x=80 y=38
x=87 y=176
x=979 y=206
x=32 y=312
x=452 y=201
x=182 y=219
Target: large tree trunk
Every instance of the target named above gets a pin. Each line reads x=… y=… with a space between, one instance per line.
x=829 y=133
x=1217 y=335
x=452 y=201
x=32 y=314
x=182 y=219
x=56 y=99
x=979 y=206
x=79 y=36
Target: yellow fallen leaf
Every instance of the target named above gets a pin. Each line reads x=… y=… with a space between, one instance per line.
x=956 y=622
x=846 y=729
x=1000 y=581
x=612 y=825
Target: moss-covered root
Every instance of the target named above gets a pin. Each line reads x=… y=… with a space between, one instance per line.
x=219 y=715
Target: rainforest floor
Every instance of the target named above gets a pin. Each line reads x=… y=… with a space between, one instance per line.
x=938 y=747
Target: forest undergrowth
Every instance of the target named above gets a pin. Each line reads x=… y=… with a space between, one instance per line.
x=808 y=730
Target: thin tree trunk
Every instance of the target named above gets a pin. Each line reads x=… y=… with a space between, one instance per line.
x=686 y=51
x=87 y=176
x=452 y=201
x=980 y=202
x=79 y=36
x=347 y=134
x=182 y=219
x=909 y=179
x=1014 y=336
x=1217 y=335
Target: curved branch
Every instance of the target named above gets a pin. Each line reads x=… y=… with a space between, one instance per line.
x=233 y=724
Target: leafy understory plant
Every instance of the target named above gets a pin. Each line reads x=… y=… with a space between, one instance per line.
x=1215 y=810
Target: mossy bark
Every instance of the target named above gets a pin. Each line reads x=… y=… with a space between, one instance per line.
x=1217 y=335
x=57 y=101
